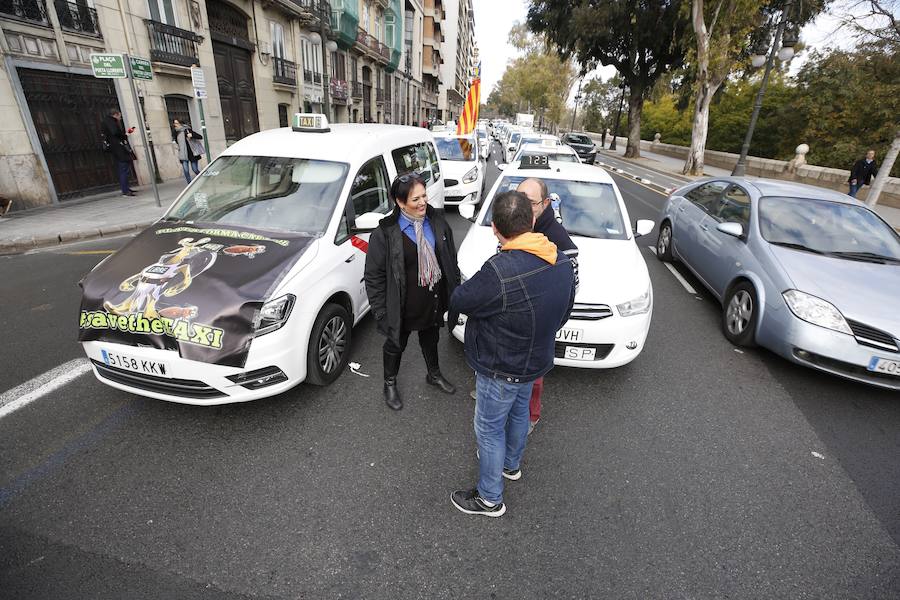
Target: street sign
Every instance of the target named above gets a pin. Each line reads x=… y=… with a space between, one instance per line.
x=198 y=78
x=141 y=69
x=108 y=66
x=200 y=93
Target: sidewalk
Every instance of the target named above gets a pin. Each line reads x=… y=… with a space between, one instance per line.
x=671 y=168
x=84 y=218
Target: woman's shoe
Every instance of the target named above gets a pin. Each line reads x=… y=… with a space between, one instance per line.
x=391 y=395
x=438 y=381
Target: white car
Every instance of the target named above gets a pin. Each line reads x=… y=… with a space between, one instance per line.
x=614 y=301
x=252 y=281
x=462 y=167
x=484 y=143
x=511 y=143
x=549 y=149
x=533 y=137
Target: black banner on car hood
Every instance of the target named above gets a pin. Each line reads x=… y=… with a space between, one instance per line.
x=192 y=289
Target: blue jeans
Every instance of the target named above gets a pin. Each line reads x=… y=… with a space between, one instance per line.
x=501 y=429
x=124 y=173
x=187 y=172
x=854 y=188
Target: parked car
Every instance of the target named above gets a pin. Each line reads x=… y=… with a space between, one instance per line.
x=583 y=145
x=809 y=273
x=462 y=166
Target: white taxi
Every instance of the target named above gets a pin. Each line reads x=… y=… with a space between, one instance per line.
x=550 y=149
x=614 y=302
x=253 y=280
x=462 y=166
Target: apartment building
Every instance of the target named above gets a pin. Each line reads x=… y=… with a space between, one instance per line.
x=458 y=28
x=263 y=60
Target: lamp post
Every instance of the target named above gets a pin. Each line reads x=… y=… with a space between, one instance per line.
x=328 y=46
x=783 y=47
x=612 y=144
x=577 y=100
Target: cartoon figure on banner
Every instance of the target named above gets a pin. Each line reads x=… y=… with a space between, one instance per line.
x=169 y=276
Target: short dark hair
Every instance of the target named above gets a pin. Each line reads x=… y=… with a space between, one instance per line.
x=512 y=215
x=404 y=184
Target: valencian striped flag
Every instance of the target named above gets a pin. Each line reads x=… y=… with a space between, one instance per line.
x=469 y=116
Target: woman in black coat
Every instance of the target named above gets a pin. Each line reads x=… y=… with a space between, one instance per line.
x=411 y=271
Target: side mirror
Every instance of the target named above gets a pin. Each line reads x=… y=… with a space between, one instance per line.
x=734 y=229
x=643 y=227
x=368 y=221
x=467 y=211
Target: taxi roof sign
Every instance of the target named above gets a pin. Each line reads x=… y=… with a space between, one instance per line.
x=548 y=143
x=311 y=123
x=534 y=161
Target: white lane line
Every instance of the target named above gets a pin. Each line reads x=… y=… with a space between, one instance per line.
x=652 y=249
x=22 y=395
x=682 y=280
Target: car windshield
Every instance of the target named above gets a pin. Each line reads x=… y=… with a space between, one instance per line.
x=450 y=148
x=579 y=139
x=827 y=227
x=588 y=209
x=264 y=192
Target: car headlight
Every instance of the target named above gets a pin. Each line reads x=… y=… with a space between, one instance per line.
x=814 y=310
x=636 y=306
x=274 y=314
x=471 y=176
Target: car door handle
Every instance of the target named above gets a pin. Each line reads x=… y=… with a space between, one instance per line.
x=680 y=209
x=704 y=227
x=351 y=259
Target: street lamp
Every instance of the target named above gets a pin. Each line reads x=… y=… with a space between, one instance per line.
x=577 y=100
x=783 y=47
x=328 y=46
x=612 y=144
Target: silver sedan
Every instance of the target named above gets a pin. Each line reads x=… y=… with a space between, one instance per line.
x=808 y=273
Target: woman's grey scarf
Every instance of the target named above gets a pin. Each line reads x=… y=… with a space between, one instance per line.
x=429 y=269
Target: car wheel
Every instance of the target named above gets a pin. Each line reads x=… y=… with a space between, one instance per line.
x=664 y=243
x=329 y=345
x=739 y=315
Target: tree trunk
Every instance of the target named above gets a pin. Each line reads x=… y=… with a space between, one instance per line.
x=635 y=108
x=694 y=163
x=884 y=172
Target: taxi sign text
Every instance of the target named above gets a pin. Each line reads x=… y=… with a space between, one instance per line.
x=310 y=122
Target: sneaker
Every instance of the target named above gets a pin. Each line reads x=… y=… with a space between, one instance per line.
x=531 y=425
x=473 y=395
x=469 y=502
x=512 y=475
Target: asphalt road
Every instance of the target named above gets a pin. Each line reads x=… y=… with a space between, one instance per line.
x=689 y=473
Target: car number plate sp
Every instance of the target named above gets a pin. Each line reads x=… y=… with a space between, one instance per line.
x=137 y=365
x=580 y=353
x=569 y=335
x=885 y=365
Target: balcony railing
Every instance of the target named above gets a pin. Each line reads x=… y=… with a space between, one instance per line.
x=172 y=45
x=339 y=90
x=317 y=77
x=371 y=44
x=285 y=71
x=313 y=11
x=77 y=17
x=307 y=76
x=379 y=95
x=27 y=10
x=357 y=89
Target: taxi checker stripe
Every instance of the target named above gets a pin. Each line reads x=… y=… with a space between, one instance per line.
x=360 y=243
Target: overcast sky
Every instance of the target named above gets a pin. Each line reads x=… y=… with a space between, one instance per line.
x=494 y=18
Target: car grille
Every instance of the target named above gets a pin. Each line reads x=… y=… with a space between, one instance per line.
x=601 y=350
x=185 y=388
x=590 y=312
x=874 y=338
x=448 y=199
x=450 y=182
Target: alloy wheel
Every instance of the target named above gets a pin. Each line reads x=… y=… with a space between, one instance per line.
x=665 y=237
x=740 y=311
x=332 y=344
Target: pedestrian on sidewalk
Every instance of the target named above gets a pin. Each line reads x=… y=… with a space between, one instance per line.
x=411 y=271
x=116 y=143
x=515 y=304
x=862 y=172
x=189 y=148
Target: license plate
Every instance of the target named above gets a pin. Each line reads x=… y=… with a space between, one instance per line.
x=884 y=365
x=138 y=365
x=580 y=353
x=569 y=335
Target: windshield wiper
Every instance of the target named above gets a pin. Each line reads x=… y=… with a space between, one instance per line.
x=794 y=246
x=866 y=256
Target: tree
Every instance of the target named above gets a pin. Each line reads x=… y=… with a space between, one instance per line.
x=601 y=99
x=641 y=39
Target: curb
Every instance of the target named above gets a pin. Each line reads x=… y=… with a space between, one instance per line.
x=653 y=186
x=679 y=176
x=46 y=241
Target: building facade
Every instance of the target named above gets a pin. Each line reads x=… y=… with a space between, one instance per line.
x=263 y=60
x=457 y=59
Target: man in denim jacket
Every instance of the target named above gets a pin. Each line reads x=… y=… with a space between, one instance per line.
x=515 y=304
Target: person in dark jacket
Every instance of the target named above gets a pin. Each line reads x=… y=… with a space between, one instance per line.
x=862 y=172
x=114 y=134
x=190 y=150
x=515 y=304
x=545 y=222
x=411 y=271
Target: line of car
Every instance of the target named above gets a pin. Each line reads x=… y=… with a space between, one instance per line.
x=263 y=254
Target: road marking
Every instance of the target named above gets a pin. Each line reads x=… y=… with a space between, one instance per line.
x=22 y=395
x=682 y=280
x=652 y=249
x=79 y=252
